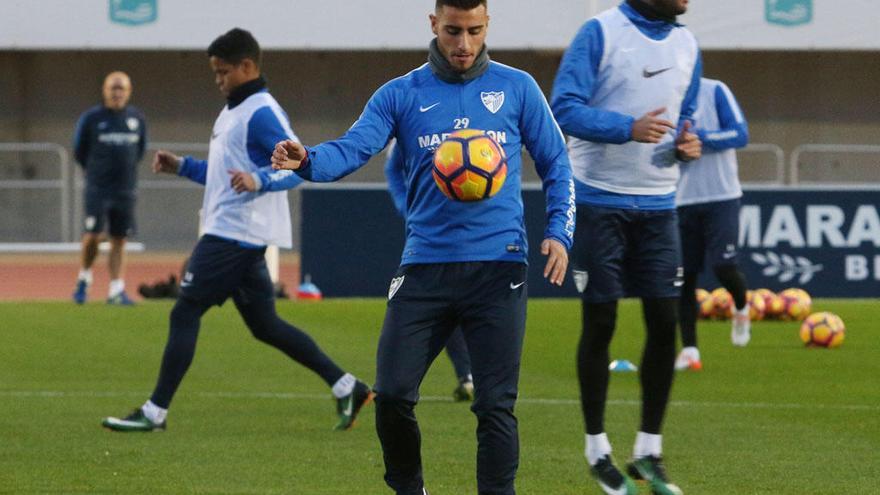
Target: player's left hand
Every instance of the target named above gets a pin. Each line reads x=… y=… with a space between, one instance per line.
x=688 y=146
x=242 y=181
x=557 y=261
x=288 y=155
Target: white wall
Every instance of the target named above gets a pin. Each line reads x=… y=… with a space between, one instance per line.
x=782 y=24
x=279 y=24
x=403 y=24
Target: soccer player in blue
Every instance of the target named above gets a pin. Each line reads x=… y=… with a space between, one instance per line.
x=625 y=93
x=708 y=215
x=456 y=346
x=229 y=259
x=109 y=143
x=463 y=263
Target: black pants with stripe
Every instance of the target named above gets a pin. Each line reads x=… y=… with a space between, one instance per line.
x=488 y=301
x=217 y=270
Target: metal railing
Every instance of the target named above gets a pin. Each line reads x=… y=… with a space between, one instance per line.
x=176 y=148
x=795 y=158
x=70 y=181
x=777 y=153
x=62 y=183
x=146 y=184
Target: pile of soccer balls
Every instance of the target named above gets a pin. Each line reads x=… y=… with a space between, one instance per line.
x=817 y=330
x=790 y=304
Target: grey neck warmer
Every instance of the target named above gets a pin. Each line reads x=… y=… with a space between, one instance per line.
x=443 y=70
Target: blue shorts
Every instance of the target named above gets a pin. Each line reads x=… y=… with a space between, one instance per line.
x=626 y=253
x=709 y=233
x=115 y=210
x=219 y=268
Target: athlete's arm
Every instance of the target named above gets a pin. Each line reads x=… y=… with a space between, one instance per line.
x=142 y=143
x=333 y=160
x=573 y=89
x=690 y=101
x=688 y=146
x=81 y=140
x=165 y=162
x=544 y=141
x=396 y=176
x=264 y=130
x=733 y=131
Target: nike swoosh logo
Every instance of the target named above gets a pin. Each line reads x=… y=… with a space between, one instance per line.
x=215 y=135
x=651 y=73
x=514 y=286
x=185 y=284
x=347 y=410
x=425 y=109
x=727 y=256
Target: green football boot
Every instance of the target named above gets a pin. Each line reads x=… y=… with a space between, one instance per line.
x=136 y=421
x=349 y=406
x=464 y=392
x=652 y=470
x=610 y=479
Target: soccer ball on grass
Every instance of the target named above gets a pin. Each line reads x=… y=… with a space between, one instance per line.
x=822 y=330
x=757 y=306
x=722 y=303
x=796 y=304
x=773 y=306
x=705 y=304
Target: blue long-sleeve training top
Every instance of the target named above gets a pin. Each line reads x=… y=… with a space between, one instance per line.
x=396 y=177
x=420 y=110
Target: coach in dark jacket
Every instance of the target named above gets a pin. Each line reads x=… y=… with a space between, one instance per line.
x=109 y=142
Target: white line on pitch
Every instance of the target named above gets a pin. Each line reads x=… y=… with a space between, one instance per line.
x=429 y=398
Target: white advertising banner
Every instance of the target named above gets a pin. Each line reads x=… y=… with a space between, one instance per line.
x=403 y=24
x=277 y=24
x=782 y=24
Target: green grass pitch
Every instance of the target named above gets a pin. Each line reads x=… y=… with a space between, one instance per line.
x=773 y=417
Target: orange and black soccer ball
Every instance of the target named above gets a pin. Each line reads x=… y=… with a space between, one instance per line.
x=469 y=165
x=823 y=330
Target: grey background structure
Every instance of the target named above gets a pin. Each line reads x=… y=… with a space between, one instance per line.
x=790 y=99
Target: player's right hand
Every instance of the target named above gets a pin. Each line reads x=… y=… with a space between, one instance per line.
x=166 y=162
x=650 y=128
x=288 y=155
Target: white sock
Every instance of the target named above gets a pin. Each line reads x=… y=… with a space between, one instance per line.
x=117 y=285
x=85 y=274
x=344 y=385
x=691 y=352
x=744 y=311
x=154 y=413
x=647 y=444
x=597 y=447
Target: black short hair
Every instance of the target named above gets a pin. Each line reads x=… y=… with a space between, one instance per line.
x=461 y=4
x=236 y=45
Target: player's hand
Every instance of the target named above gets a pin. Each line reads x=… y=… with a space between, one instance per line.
x=288 y=155
x=557 y=261
x=166 y=162
x=650 y=128
x=688 y=145
x=242 y=181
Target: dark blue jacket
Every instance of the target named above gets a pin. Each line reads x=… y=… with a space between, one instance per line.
x=108 y=144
